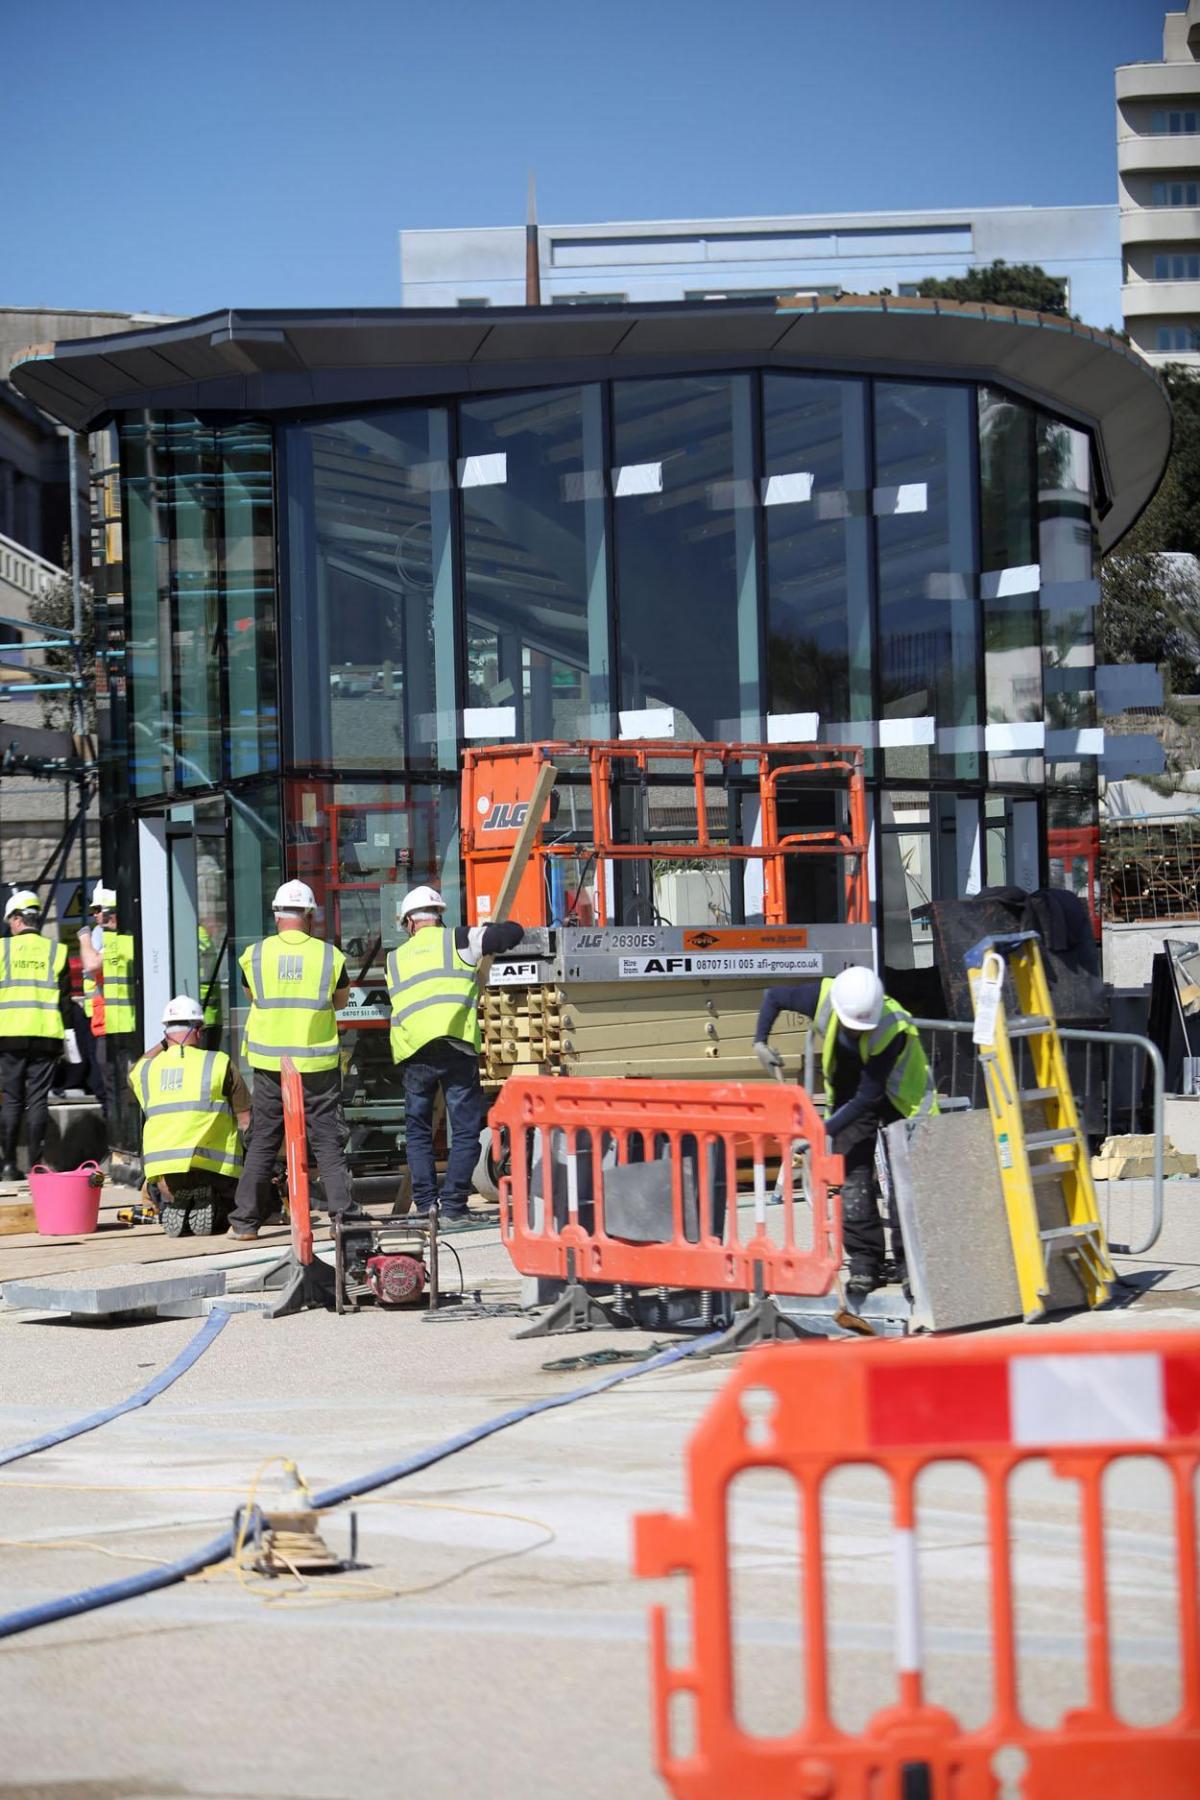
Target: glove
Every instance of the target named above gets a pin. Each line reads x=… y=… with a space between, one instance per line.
x=770 y=1059
x=71 y=1047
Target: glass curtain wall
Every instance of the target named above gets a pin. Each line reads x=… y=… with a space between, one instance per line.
x=818 y=549
x=1012 y=638
x=924 y=504
x=200 y=608
x=535 y=578
x=371 y=606
x=686 y=533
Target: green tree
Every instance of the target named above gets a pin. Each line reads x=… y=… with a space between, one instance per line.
x=55 y=607
x=1002 y=284
x=1150 y=600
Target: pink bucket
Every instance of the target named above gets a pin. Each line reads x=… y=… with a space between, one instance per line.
x=65 y=1205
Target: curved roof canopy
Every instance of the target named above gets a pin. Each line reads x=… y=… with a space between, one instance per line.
x=262 y=363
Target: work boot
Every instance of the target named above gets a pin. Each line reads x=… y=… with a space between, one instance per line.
x=860 y=1283
x=9 y=1172
x=453 y=1212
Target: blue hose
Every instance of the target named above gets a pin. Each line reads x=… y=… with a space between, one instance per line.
x=87 y=1600
x=213 y=1324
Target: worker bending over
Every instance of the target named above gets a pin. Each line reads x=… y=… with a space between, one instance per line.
x=35 y=1014
x=435 y=1039
x=875 y=1072
x=193 y=1101
x=296 y=984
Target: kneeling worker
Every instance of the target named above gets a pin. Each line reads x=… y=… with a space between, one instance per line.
x=193 y=1101
x=875 y=1072
x=296 y=985
x=435 y=1037
x=35 y=1013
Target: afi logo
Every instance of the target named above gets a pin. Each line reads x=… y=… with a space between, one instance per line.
x=506 y=817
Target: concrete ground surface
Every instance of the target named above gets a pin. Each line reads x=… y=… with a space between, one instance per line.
x=493 y=1641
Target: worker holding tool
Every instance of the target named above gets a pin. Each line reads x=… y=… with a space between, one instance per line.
x=193 y=1102
x=107 y=957
x=35 y=1015
x=296 y=983
x=875 y=1072
x=431 y=981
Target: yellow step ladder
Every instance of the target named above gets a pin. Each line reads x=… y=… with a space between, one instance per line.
x=1045 y=1170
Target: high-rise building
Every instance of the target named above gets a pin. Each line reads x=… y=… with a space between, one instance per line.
x=1158 y=170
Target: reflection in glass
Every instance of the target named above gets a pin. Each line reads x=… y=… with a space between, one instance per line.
x=148 y=645
x=927 y=569
x=1067 y=549
x=371 y=612
x=534 y=566
x=1011 y=617
x=257 y=865
x=248 y=597
x=818 y=548
x=687 y=586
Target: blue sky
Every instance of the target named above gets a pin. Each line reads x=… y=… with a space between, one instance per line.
x=266 y=152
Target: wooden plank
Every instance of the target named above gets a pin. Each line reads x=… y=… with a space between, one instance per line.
x=17 y=1218
x=522 y=850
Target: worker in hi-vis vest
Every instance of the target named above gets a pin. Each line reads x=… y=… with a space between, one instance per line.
x=435 y=1039
x=296 y=983
x=108 y=998
x=875 y=1072
x=35 y=1015
x=193 y=1102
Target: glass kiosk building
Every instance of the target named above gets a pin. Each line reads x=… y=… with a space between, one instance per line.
x=338 y=547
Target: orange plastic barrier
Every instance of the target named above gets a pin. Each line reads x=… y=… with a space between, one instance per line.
x=899 y=1407
x=700 y=1126
x=296 y=1150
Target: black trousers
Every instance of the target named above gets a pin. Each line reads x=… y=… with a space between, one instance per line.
x=326 y=1134
x=862 y=1223
x=26 y=1079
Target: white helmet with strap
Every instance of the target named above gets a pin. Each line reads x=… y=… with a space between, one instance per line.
x=104 y=898
x=183 y=1011
x=857 y=999
x=420 y=900
x=24 y=900
x=294 y=897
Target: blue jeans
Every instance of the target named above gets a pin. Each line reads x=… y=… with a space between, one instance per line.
x=456 y=1072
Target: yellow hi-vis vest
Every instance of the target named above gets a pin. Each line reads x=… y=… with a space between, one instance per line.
x=909 y=1085
x=292 y=980
x=119 y=1015
x=30 y=971
x=188 y=1123
x=432 y=991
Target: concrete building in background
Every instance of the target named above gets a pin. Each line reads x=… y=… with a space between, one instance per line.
x=1158 y=171
x=736 y=259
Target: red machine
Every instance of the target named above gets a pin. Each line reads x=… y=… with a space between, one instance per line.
x=688 y=778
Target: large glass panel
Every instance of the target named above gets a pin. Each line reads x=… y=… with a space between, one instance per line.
x=371 y=621
x=928 y=644
x=257 y=866
x=535 y=569
x=687 y=586
x=194 y=524
x=148 y=647
x=818 y=549
x=1067 y=548
x=1011 y=619
x=248 y=592
x=360 y=846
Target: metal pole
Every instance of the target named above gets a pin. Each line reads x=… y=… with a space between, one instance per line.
x=79 y=708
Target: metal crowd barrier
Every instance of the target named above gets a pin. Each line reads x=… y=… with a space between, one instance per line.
x=635 y=1182
x=1098 y=1083
x=900 y=1407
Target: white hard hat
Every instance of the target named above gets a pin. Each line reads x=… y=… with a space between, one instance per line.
x=294 y=896
x=103 y=896
x=23 y=901
x=420 y=900
x=183 y=1010
x=857 y=999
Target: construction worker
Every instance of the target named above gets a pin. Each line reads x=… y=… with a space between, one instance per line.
x=875 y=1072
x=107 y=957
x=296 y=984
x=35 y=1015
x=435 y=1038
x=193 y=1102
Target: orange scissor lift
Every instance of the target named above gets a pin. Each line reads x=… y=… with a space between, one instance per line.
x=498 y=779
